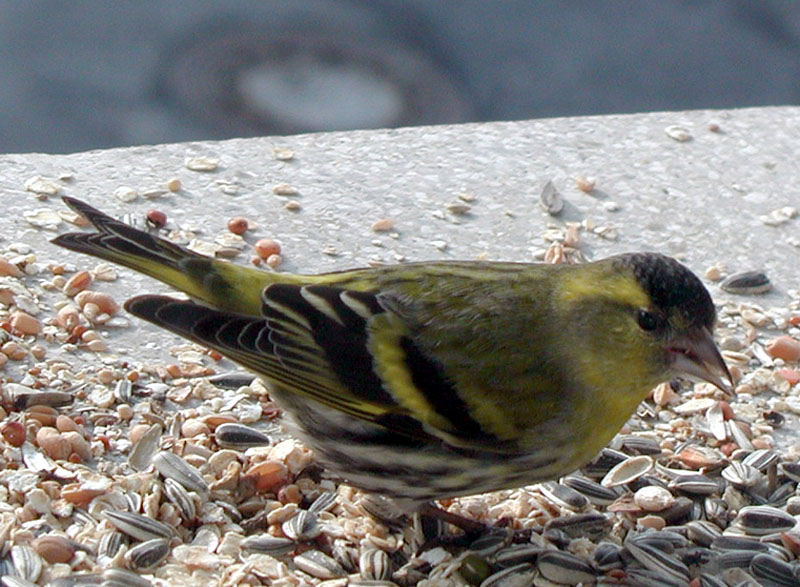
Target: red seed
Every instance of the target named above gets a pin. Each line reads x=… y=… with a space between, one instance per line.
x=238 y=225
x=157 y=218
x=266 y=247
x=784 y=347
x=14 y=433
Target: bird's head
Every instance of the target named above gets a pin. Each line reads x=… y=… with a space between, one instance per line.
x=657 y=317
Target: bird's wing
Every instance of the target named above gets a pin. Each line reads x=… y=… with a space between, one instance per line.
x=337 y=346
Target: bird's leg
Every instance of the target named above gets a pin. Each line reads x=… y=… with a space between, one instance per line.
x=472 y=529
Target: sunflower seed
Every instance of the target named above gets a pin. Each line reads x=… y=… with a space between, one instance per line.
x=564 y=496
x=587 y=525
x=629 y=470
x=142 y=452
x=382 y=509
x=302 y=526
x=148 y=554
x=178 y=495
x=489 y=544
x=231 y=380
x=518 y=576
x=640 y=445
x=727 y=543
x=240 y=437
x=138 y=526
x=649 y=578
x=702 y=532
x=516 y=554
x=110 y=543
x=550 y=199
x=116 y=577
x=122 y=391
x=608 y=556
x=27 y=562
x=741 y=475
x=563 y=567
x=25 y=399
x=695 y=484
x=375 y=564
x=12 y=581
x=323 y=503
x=716 y=421
x=707 y=580
x=319 y=565
x=791 y=470
x=174 y=467
x=769 y=568
x=657 y=561
x=761 y=459
x=268 y=544
x=596 y=493
x=746 y=283
x=761 y=520
x=735 y=559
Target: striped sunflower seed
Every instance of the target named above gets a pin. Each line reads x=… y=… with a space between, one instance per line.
x=695 y=484
x=596 y=493
x=564 y=496
x=763 y=519
x=741 y=475
x=116 y=577
x=516 y=554
x=657 y=561
x=240 y=437
x=566 y=568
x=707 y=580
x=138 y=526
x=702 y=532
x=172 y=466
x=303 y=526
x=148 y=554
x=110 y=543
x=590 y=525
x=27 y=562
x=608 y=556
x=375 y=564
x=182 y=499
x=727 y=543
x=746 y=283
x=773 y=570
x=735 y=559
x=268 y=544
x=319 y=565
x=761 y=459
x=323 y=503
x=791 y=470
x=12 y=581
x=123 y=391
x=517 y=576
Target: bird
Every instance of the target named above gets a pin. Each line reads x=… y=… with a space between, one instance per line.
x=437 y=379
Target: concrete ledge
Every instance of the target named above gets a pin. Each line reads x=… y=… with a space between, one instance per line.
x=700 y=199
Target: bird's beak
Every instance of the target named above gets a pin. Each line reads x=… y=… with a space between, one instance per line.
x=696 y=354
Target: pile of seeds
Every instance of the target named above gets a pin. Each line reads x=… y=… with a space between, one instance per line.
x=118 y=471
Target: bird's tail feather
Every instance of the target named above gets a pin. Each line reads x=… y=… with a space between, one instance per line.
x=204 y=279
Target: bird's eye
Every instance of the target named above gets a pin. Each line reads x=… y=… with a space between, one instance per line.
x=648 y=320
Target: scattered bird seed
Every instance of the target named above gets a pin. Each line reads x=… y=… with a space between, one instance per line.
x=746 y=283
x=551 y=200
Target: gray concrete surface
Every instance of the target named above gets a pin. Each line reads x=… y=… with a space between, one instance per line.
x=700 y=200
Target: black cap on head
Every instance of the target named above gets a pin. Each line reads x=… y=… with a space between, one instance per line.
x=672 y=287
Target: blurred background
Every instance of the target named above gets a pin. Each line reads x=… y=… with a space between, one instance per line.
x=81 y=75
